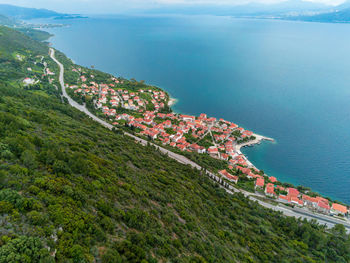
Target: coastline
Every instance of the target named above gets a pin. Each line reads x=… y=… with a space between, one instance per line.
x=172 y=101
x=276 y=163
x=258 y=140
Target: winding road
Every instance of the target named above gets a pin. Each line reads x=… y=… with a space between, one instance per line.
x=295 y=212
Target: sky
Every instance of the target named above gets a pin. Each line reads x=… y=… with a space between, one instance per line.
x=116 y=6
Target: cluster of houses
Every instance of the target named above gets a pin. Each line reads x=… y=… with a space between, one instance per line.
x=34 y=69
x=185 y=133
x=169 y=129
x=291 y=195
x=108 y=97
x=112 y=94
x=317 y=204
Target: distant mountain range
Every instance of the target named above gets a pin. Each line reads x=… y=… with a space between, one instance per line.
x=32 y=13
x=288 y=10
x=333 y=16
x=251 y=9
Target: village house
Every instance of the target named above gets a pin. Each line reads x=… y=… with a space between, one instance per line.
x=310 y=201
x=28 y=81
x=290 y=200
x=212 y=150
x=259 y=183
x=196 y=148
x=229 y=176
x=272 y=179
x=338 y=209
x=270 y=190
x=293 y=192
x=296 y=201
x=323 y=207
x=187 y=118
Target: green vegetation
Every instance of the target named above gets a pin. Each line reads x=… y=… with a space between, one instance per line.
x=36 y=34
x=6 y=21
x=27 y=29
x=73 y=191
x=25 y=12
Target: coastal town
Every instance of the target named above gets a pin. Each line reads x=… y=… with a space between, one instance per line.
x=146 y=111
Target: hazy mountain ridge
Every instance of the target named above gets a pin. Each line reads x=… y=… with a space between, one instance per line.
x=333 y=16
x=289 y=10
x=18 y=12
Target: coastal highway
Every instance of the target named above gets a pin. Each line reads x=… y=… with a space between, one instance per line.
x=298 y=213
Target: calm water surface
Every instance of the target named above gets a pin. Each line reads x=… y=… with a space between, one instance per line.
x=286 y=80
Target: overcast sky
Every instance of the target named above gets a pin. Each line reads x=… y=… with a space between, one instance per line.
x=114 y=6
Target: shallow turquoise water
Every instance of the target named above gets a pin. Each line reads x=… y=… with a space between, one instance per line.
x=286 y=80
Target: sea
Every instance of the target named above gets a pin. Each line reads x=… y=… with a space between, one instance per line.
x=281 y=79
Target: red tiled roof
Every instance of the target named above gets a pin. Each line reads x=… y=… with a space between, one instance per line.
x=270 y=189
x=339 y=208
x=323 y=205
x=324 y=200
x=260 y=182
x=272 y=179
x=309 y=198
x=292 y=192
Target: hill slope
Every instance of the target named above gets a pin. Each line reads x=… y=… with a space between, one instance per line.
x=6 y=21
x=74 y=191
x=26 y=13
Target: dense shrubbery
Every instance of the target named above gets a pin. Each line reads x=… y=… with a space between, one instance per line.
x=82 y=193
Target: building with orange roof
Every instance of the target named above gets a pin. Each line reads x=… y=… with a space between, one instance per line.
x=293 y=192
x=259 y=183
x=310 y=201
x=270 y=190
x=323 y=207
x=338 y=209
x=272 y=179
x=296 y=200
x=229 y=176
x=322 y=199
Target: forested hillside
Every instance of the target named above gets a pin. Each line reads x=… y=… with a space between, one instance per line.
x=73 y=191
x=26 y=13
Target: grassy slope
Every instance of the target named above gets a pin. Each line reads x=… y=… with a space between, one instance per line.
x=92 y=194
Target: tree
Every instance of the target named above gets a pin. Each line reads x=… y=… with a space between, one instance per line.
x=28 y=159
x=111 y=256
x=24 y=249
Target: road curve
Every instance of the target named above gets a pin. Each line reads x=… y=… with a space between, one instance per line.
x=324 y=220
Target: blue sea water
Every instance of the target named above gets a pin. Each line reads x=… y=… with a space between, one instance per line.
x=286 y=80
